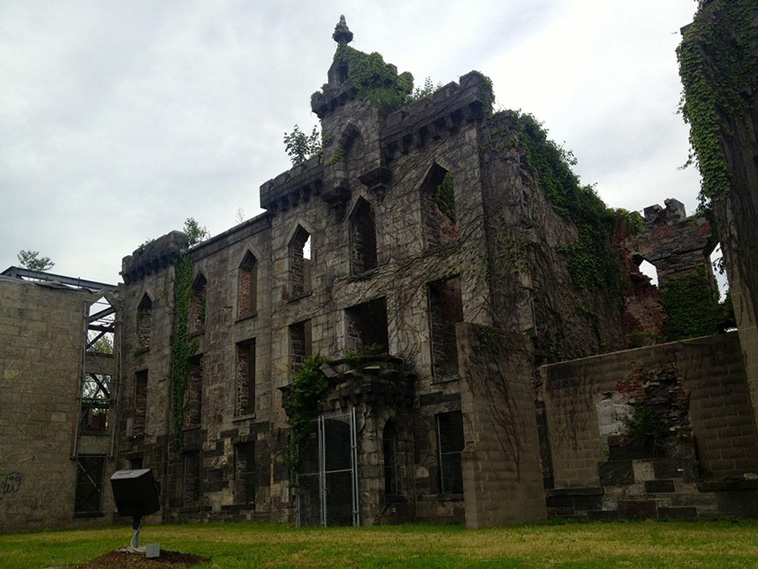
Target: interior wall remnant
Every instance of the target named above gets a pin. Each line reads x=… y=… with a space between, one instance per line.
x=300 y=344
x=245 y=378
x=194 y=393
x=300 y=266
x=248 y=285
x=144 y=321
x=445 y=311
x=363 y=238
x=140 y=403
x=366 y=327
x=198 y=306
x=439 y=210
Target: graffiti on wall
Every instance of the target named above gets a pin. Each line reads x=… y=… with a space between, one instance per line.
x=10 y=483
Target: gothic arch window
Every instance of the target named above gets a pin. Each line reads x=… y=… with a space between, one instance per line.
x=247 y=291
x=362 y=238
x=439 y=213
x=144 y=321
x=390 y=454
x=300 y=262
x=198 y=307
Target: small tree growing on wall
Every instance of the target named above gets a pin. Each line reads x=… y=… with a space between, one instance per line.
x=32 y=261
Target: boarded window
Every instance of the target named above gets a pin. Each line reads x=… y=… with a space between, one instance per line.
x=193 y=396
x=248 y=285
x=90 y=472
x=366 y=327
x=198 y=307
x=244 y=473
x=450 y=442
x=445 y=310
x=300 y=344
x=140 y=403
x=389 y=448
x=300 y=255
x=144 y=321
x=245 y=404
x=191 y=479
x=362 y=238
x=438 y=206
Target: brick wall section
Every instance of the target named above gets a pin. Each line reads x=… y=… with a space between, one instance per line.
x=711 y=373
x=41 y=351
x=501 y=462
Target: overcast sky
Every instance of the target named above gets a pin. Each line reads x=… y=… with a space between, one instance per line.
x=118 y=120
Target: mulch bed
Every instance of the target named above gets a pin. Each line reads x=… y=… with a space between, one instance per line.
x=123 y=560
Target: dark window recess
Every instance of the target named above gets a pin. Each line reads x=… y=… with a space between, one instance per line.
x=445 y=311
x=90 y=472
x=193 y=396
x=300 y=263
x=245 y=404
x=191 y=479
x=389 y=448
x=144 y=321
x=198 y=307
x=135 y=463
x=244 y=473
x=366 y=327
x=362 y=238
x=248 y=285
x=438 y=205
x=451 y=443
x=300 y=344
x=140 y=403
x=96 y=398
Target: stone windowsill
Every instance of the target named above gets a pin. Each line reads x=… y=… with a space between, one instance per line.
x=300 y=296
x=446 y=379
x=89 y=515
x=365 y=275
x=244 y=317
x=248 y=417
x=197 y=333
x=191 y=428
x=449 y=497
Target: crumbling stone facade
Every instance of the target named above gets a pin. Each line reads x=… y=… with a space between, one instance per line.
x=57 y=409
x=424 y=256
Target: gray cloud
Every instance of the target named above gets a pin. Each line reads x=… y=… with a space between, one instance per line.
x=119 y=120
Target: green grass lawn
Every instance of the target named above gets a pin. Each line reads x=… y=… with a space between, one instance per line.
x=596 y=545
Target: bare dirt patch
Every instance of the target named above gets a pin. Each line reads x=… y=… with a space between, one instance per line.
x=123 y=560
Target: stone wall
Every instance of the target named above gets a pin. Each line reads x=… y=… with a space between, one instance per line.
x=501 y=461
x=699 y=392
x=41 y=355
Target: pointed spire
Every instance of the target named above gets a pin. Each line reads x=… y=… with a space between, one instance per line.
x=342 y=34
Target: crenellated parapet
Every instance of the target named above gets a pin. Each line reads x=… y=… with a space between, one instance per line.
x=436 y=115
x=296 y=185
x=153 y=256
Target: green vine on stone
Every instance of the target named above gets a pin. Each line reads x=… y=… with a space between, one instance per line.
x=308 y=387
x=338 y=155
x=444 y=196
x=373 y=79
x=183 y=347
x=716 y=67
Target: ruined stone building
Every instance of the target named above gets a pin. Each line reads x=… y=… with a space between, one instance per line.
x=58 y=392
x=489 y=352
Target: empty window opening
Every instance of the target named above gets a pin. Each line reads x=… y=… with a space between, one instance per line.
x=300 y=262
x=245 y=404
x=362 y=238
x=450 y=442
x=438 y=205
x=191 y=479
x=193 y=396
x=96 y=398
x=389 y=451
x=647 y=269
x=445 y=311
x=301 y=345
x=248 y=285
x=140 y=403
x=144 y=321
x=90 y=472
x=199 y=302
x=135 y=463
x=366 y=327
x=244 y=473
